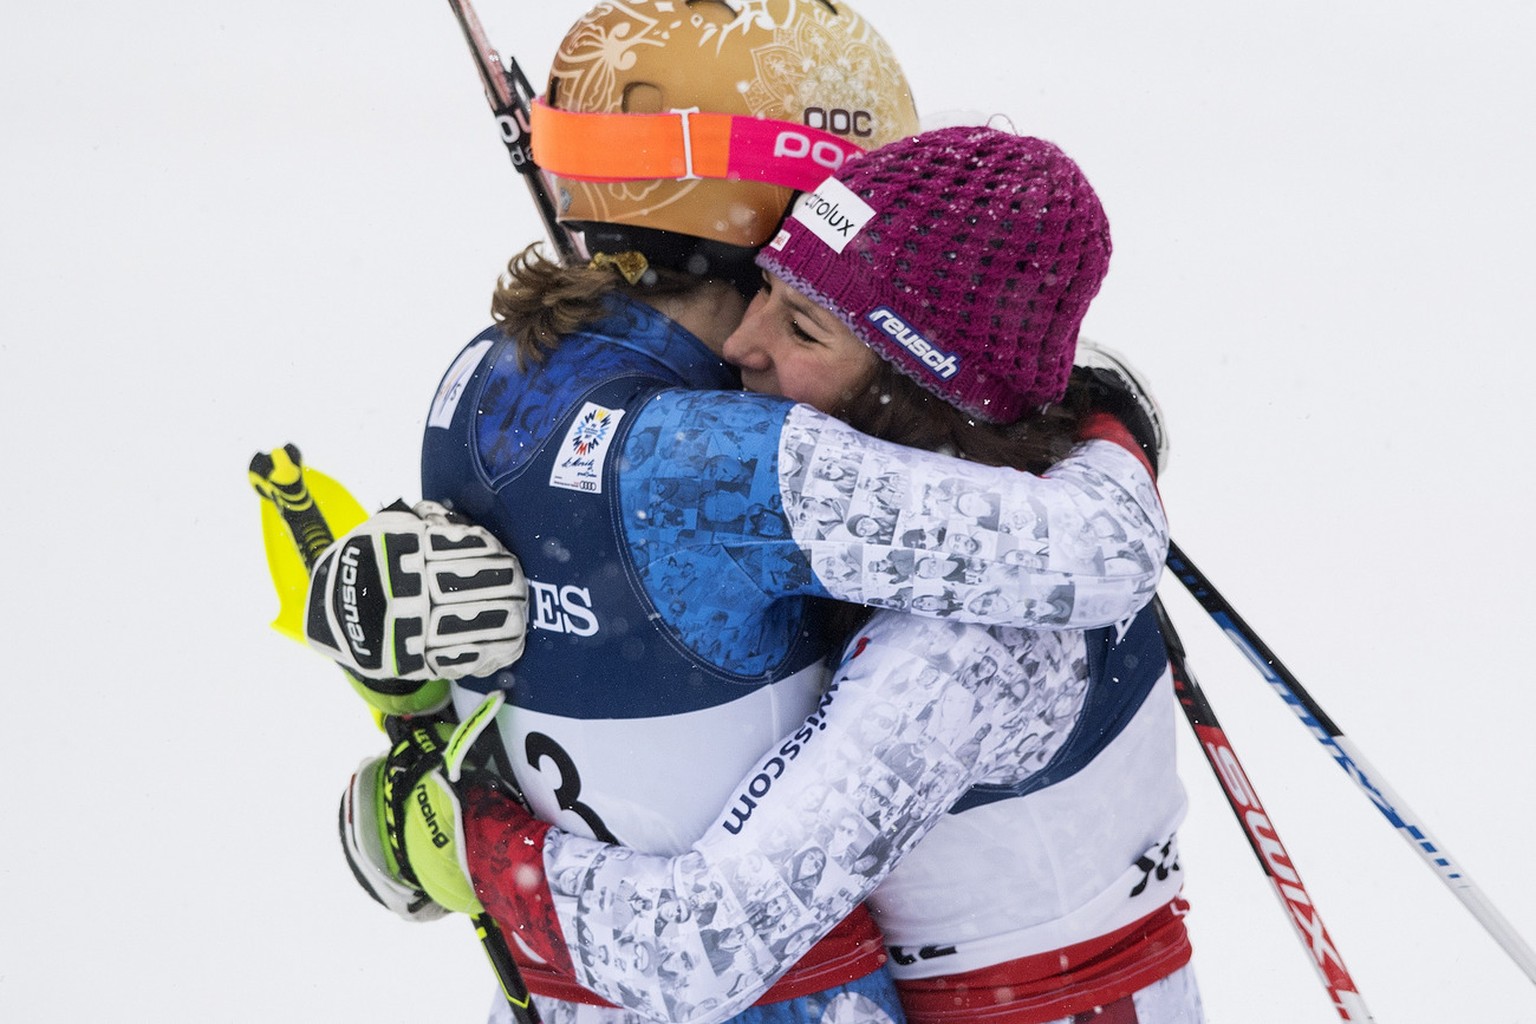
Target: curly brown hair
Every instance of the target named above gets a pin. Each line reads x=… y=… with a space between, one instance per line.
x=539 y=301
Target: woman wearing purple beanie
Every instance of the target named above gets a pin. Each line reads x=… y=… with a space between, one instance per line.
x=1005 y=800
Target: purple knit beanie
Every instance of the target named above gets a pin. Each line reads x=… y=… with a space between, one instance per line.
x=965 y=256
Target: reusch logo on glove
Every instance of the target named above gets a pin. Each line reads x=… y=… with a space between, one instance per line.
x=359 y=599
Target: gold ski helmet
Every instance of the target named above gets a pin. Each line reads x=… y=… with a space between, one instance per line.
x=785 y=64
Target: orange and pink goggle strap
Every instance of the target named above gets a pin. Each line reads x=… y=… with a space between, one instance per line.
x=682 y=145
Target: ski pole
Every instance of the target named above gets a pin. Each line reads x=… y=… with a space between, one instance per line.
x=289 y=492
x=280 y=480
x=1349 y=758
x=1262 y=835
x=509 y=94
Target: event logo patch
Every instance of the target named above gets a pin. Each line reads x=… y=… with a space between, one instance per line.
x=446 y=401
x=579 y=463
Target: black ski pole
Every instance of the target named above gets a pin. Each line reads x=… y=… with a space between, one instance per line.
x=1349 y=758
x=509 y=94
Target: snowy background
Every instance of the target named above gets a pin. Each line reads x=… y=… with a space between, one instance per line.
x=227 y=226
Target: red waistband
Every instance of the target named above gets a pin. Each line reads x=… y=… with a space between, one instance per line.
x=1047 y=986
x=848 y=952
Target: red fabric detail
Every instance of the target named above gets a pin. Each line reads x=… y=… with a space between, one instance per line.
x=543 y=980
x=1121 y=1011
x=1101 y=426
x=1060 y=983
x=848 y=952
x=505 y=846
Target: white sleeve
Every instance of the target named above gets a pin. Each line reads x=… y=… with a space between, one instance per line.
x=920 y=712
x=1079 y=547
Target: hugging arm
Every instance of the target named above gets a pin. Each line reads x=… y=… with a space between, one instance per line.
x=805 y=504
x=1079 y=547
x=908 y=725
x=799 y=503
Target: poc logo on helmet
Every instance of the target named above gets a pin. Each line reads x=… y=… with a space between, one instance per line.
x=839 y=121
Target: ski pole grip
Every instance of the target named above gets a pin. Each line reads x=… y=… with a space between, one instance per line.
x=278 y=477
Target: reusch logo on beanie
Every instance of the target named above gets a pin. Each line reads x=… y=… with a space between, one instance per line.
x=971 y=270
x=942 y=365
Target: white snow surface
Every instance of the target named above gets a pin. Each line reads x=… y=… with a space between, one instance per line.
x=228 y=226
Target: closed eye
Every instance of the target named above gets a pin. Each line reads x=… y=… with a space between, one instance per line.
x=793 y=311
x=800 y=332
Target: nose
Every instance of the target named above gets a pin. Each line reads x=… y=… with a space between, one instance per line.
x=746 y=346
